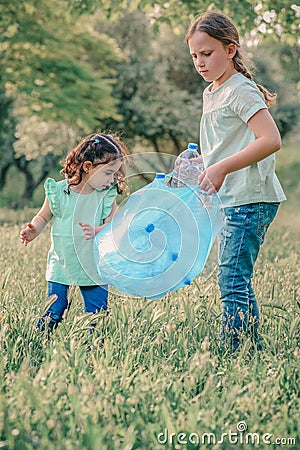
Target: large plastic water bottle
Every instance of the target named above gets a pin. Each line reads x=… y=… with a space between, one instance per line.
x=186 y=168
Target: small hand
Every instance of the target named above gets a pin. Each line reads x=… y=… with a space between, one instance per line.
x=88 y=230
x=211 y=179
x=28 y=234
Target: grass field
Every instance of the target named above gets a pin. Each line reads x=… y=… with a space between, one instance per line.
x=159 y=380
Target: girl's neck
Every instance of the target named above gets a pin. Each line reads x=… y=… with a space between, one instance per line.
x=216 y=84
x=83 y=188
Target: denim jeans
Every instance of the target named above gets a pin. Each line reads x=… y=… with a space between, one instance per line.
x=94 y=297
x=243 y=233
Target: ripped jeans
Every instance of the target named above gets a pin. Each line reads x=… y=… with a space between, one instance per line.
x=244 y=230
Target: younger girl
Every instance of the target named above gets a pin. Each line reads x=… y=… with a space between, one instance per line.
x=79 y=207
x=238 y=138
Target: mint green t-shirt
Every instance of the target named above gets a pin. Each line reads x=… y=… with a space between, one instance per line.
x=224 y=132
x=71 y=257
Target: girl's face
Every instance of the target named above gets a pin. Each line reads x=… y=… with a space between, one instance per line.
x=100 y=176
x=212 y=60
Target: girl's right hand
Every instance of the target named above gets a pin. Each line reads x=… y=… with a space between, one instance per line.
x=28 y=234
x=211 y=179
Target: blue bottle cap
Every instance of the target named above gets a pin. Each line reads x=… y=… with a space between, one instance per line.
x=149 y=228
x=160 y=175
x=193 y=146
x=174 y=256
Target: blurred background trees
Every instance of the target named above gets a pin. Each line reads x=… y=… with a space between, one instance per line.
x=75 y=66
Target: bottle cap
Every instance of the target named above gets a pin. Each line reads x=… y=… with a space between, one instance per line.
x=160 y=175
x=193 y=146
x=174 y=256
x=150 y=227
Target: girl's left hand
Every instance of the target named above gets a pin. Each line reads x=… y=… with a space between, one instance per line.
x=88 y=230
x=211 y=179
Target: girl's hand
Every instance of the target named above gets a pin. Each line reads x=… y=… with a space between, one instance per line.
x=28 y=234
x=88 y=230
x=212 y=179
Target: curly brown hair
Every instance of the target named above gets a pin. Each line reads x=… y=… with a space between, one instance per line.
x=97 y=148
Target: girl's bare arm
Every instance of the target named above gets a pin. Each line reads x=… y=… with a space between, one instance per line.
x=37 y=224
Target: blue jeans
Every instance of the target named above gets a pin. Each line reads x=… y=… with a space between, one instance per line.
x=94 y=297
x=243 y=233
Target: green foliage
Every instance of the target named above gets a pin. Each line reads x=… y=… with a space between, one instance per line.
x=56 y=65
x=59 y=71
x=277 y=69
x=278 y=18
x=151 y=95
x=7 y=127
x=72 y=66
x=287 y=117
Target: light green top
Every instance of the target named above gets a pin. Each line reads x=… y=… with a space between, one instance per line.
x=224 y=132
x=71 y=257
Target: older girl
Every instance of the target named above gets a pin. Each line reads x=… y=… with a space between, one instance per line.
x=238 y=139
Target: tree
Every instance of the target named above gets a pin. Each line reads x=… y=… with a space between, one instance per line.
x=75 y=65
x=151 y=98
x=38 y=149
x=56 y=64
x=56 y=68
x=277 y=69
x=7 y=127
x=265 y=17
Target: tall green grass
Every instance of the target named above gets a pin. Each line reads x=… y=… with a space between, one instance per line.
x=159 y=370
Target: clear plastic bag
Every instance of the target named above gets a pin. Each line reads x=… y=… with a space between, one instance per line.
x=159 y=241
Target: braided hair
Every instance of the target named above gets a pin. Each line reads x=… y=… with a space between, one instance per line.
x=98 y=149
x=218 y=26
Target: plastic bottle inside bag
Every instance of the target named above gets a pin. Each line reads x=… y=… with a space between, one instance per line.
x=187 y=167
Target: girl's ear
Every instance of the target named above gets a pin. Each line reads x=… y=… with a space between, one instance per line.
x=87 y=165
x=231 y=50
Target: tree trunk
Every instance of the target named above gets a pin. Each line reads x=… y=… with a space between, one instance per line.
x=176 y=142
x=23 y=165
x=3 y=174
